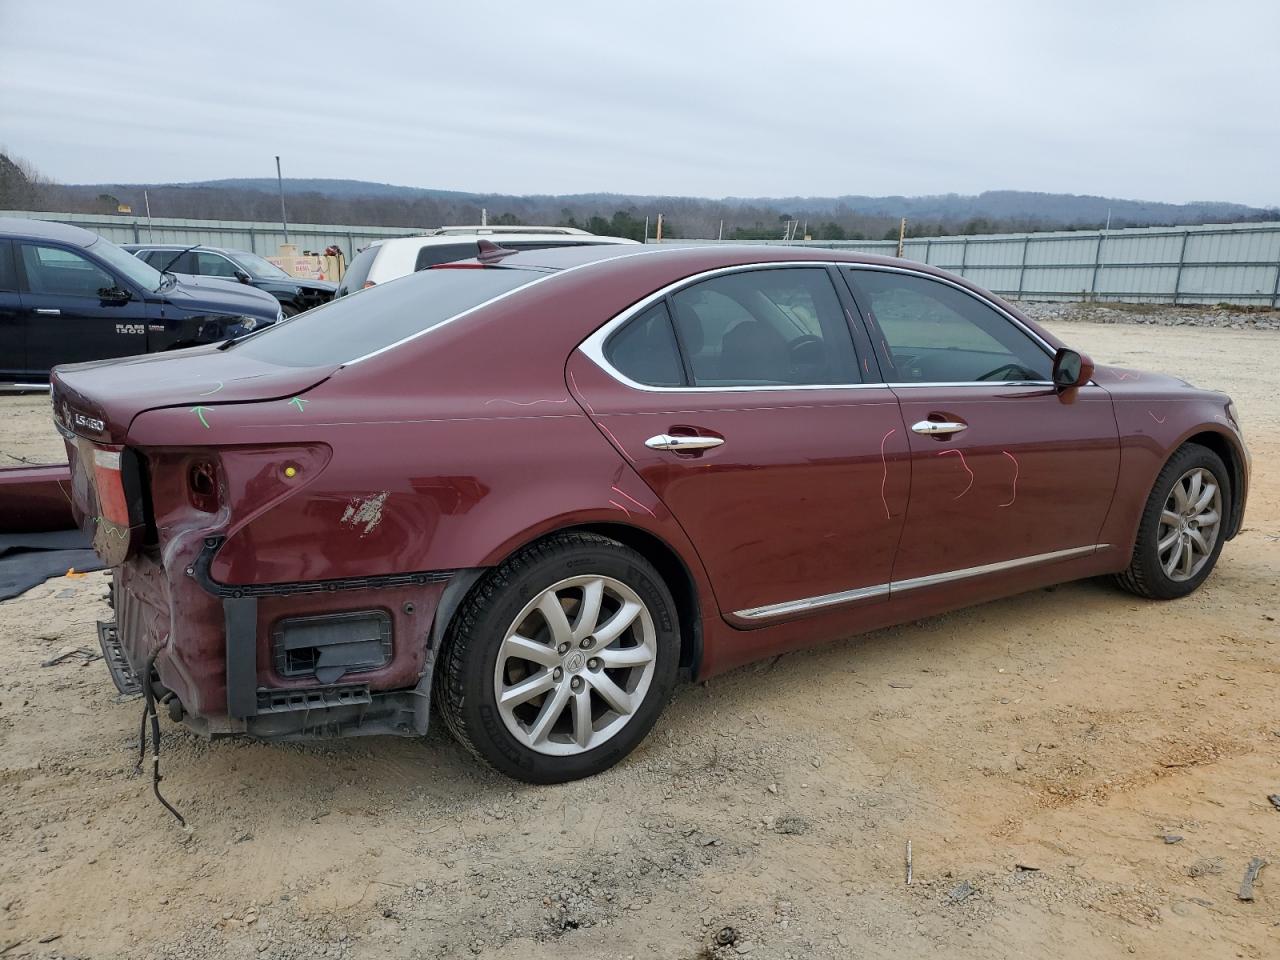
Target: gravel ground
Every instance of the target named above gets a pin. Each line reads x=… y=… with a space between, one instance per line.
x=1152 y=314
x=1080 y=773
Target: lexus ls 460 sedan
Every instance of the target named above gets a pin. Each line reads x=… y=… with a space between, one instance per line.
x=537 y=488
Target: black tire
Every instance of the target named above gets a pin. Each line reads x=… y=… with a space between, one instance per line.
x=465 y=667
x=1146 y=576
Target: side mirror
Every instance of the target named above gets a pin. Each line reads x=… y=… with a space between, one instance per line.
x=114 y=295
x=1071 y=369
x=242 y=276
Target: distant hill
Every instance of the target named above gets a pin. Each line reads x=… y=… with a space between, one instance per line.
x=360 y=202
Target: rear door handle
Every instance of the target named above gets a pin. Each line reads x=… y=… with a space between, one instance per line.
x=938 y=428
x=667 y=441
x=49 y=311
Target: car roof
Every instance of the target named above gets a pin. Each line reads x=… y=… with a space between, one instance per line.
x=20 y=229
x=498 y=236
x=131 y=247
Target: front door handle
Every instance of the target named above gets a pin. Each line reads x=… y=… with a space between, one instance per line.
x=938 y=428
x=49 y=311
x=667 y=441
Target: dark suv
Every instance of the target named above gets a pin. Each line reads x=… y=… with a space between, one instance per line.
x=240 y=265
x=68 y=295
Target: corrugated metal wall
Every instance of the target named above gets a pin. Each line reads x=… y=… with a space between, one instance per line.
x=1232 y=263
x=262 y=238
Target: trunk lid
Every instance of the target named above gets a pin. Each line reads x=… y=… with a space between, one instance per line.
x=95 y=403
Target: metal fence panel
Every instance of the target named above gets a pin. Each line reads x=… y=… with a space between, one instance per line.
x=1232 y=263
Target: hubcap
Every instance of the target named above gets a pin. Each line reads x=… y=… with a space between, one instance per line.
x=552 y=696
x=1189 y=524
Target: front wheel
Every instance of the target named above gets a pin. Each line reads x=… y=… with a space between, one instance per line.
x=1183 y=526
x=561 y=659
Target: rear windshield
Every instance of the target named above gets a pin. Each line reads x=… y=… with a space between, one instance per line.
x=350 y=327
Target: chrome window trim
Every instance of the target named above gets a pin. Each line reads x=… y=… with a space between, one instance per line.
x=593 y=346
x=894 y=586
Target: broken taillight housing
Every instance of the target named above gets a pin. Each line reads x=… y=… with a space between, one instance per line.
x=202 y=485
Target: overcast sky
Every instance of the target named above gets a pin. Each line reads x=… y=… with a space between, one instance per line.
x=1150 y=100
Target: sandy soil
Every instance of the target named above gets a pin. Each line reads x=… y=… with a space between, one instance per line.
x=1079 y=773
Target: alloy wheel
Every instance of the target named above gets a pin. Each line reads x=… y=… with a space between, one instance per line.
x=575 y=665
x=1189 y=524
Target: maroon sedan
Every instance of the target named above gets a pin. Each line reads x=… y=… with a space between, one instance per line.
x=538 y=488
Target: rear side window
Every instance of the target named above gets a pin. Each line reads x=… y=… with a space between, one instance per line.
x=358 y=271
x=645 y=350
x=436 y=253
x=350 y=327
x=776 y=327
x=181 y=262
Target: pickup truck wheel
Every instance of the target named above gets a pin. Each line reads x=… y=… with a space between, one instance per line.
x=560 y=660
x=1182 y=529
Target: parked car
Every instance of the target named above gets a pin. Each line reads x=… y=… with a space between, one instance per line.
x=68 y=295
x=295 y=294
x=397 y=257
x=539 y=489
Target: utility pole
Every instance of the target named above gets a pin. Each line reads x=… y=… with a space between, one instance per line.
x=902 y=235
x=720 y=235
x=658 y=236
x=146 y=200
x=484 y=217
x=646 y=228
x=284 y=219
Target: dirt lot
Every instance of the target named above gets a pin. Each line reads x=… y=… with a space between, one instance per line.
x=1079 y=773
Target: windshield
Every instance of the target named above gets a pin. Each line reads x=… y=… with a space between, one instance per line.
x=142 y=274
x=350 y=327
x=259 y=267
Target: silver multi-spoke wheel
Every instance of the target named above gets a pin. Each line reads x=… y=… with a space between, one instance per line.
x=575 y=665
x=1189 y=524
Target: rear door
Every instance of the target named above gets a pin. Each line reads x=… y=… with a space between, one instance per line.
x=13 y=363
x=1006 y=472
x=738 y=398
x=66 y=317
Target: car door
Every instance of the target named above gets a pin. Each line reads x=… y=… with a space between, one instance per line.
x=738 y=398
x=1006 y=470
x=67 y=316
x=12 y=337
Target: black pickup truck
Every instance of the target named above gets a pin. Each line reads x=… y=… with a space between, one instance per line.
x=68 y=295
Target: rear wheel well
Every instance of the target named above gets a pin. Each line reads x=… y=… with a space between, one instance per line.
x=674 y=573
x=1226 y=450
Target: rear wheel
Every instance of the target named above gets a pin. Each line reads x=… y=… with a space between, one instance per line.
x=1182 y=528
x=561 y=659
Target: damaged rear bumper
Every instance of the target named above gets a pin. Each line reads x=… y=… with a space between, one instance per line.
x=287 y=661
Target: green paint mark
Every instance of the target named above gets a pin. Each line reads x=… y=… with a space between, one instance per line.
x=199 y=412
x=299 y=403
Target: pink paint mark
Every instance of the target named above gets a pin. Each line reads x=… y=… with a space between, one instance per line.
x=963 y=463
x=1015 y=479
x=523 y=403
x=1155 y=418
x=865 y=365
x=609 y=433
x=573 y=382
x=884 y=480
x=1128 y=375
x=620 y=507
x=635 y=501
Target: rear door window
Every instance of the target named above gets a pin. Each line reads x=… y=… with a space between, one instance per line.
x=775 y=327
x=351 y=327
x=181 y=262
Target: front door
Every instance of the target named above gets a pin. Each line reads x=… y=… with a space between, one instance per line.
x=67 y=314
x=1005 y=470
x=738 y=399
